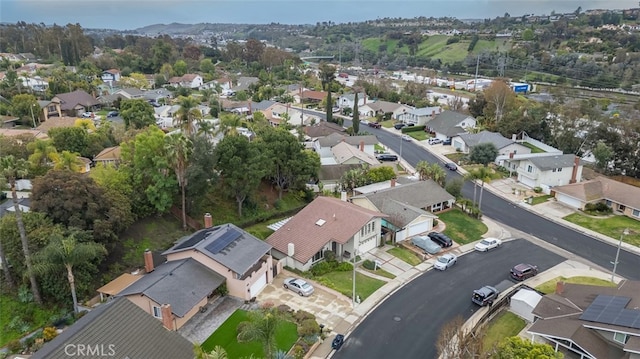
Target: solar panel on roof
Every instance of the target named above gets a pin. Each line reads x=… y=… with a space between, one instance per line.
x=609 y=309
x=195 y=238
x=223 y=241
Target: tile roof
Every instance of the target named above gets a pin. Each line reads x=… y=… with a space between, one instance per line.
x=69 y=100
x=420 y=194
x=344 y=152
x=550 y=162
x=132 y=332
x=314 y=95
x=181 y=283
x=335 y=138
x=473 y=139
x=342 y=220
x=239 y=255
x=602 y=188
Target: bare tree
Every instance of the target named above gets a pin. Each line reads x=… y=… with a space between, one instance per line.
x=454 y=342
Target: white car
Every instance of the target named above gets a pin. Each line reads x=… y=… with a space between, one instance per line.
x=445 y=261
x=406 y=138
x=487 y=244
x=87 y=115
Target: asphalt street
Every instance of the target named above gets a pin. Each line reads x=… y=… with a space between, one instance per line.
x=512 y=215
x=407 y=324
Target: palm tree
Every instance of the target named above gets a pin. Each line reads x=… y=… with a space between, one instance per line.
x=179 y=149
x=423 y=170
x=188 y=115
x=68 y=252
x=43 y=153
x=68 y=161
x=262 y=327
x=217 y=353
x=431 y=171
x=12 y=169
x=483 y=174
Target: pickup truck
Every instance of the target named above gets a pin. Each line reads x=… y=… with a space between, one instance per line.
x=374 y=125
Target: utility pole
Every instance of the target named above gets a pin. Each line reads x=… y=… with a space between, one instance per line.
x=475 y=82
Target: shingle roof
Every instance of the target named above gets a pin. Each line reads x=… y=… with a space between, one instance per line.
x=424 y=111
x=473 y=139
x=420 y=194
x=446 y=122
x=550 y=162
x=401 y=214
x=70 y=100
x=314 y=95
x=7 y=206
x=132 y=332
x=239 y=255
x=322 y=129
x=383 y=106
x=342 y=220
x=262 y=105
x=109 y=153
x=181 y=283
x=602 y=188
x=335 y=172
x=335 y=138
x=134 y=92
x=343 y=152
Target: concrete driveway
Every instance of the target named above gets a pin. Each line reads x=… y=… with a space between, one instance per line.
x=329 y=306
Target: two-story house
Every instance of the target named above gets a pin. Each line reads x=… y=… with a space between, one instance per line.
x=326 y=224
x=110 y=76
x=192 y=81
x=348 y=100
x=464 y=142
x=549 y=171
x=418 y=116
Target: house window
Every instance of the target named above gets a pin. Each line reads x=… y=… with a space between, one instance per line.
x=157 y=312
x=529 y=168
x=636 y=213
x=559 y=169
x=620 y=338
x=621 y=207
x=608 y=203
x=318 y=256
x=554 y=170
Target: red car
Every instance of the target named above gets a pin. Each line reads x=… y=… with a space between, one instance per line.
x=374 y=125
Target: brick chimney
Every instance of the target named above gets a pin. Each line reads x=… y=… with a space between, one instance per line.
x=574 y=172
x=559 y=287
x=393 y=182
x=249 y=106
x=167 y=316
x=362 y=146
x=208 y=220
x=148 y=261
x=511 y=154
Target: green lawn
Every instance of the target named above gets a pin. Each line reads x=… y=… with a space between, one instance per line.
x=533 y=148
x=30 y=315
x=550 y=286
x=343 y=283
x=418 y=135
x=406 y=255
x=612 y=226
x=541 y=199
x=503 y=326
x=381 y=272
x=260 y=230
x=462 y=228
x=226 y=335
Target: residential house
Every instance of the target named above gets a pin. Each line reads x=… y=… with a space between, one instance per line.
x=309 y=96
x=84 y=165
x=344 y=153
x=157 y=95
x=117 y=329
x=419 y=116
x=243 y=83
x=621 y=197
x=348 y=100
x=409 y=207
x=71 y=104
x=449 y=124
x=549 y=171
x=324 y=144
x=35 y=83
x=130 y=93
x=110 y=156
x=329 y=176
x=7 y=206
x=14 y=132
x=9 y=121
x=322 y=129
x=111 y=76
x=326 y=224
x=372 y=109
x=116 y=286
x=277 y=113
x=192 y=81
x=48 y=108
x=590 y=321
x=464 y=142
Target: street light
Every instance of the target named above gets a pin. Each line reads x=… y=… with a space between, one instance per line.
x=353 y=295
x=615 y=264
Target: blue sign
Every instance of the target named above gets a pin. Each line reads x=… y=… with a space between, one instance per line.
x=521 y=88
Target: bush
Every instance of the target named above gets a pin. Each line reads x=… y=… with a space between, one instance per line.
x=308 y=327
x=278 y=204
x=329 y=256
x=599 y=207
x=301 y=316
x=344 y=267
x=14 y=346
x=537 y=189
x=49 y=333
x=412 y=129
x=321 y=268
x=368 y=264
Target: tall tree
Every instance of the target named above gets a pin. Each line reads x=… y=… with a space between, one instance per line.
x=431 y=171
x=241 y=166
x=43 y=155
x=484 y=175
x=499 y=96
x=8 y=278
x=68 y=252
x=516 y=347
x=72 y=139
x=188 y=115
x=179 y=149
x=327 y=74
x=483 y=153
x=454 y=341
x=262 y=327
x=137 y=113
x=356 y=115
x=68 y=161
x=12 y=170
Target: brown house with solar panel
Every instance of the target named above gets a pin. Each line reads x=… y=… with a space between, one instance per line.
x=590 y=322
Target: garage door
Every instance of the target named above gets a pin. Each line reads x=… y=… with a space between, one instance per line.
x=569 y=201
x=529 y=182
x=418 y=228
x=258 y=285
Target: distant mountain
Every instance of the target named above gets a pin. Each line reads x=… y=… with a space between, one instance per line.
x=188 y=29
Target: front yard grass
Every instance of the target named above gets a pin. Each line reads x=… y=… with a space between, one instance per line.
x=541 y=199
x=462 y=228
x=418 y=135
x=550 y=285
x=343 y=283
x=502 y=326
x=381 y=272
x=387 y=123
x=406 y=255
x=612 y=226
x=18 y=319
x=260 y=230
x=226 y=337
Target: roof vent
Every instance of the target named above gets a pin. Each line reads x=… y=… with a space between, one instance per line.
x=320 y=222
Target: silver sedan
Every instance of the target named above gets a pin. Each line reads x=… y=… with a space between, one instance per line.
x=299 y=286
x=445 y=261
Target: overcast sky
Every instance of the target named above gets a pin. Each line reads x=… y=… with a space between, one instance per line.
x=129 y=15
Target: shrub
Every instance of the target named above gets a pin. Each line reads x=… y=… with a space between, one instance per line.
x=49 y=333
x=321 y=268
x=301 y=316
x=599 y=207
x=308 y=327
x=412 y=129
x=344 y=267
x=329 y=256
x=298 y=351
x=14 y=346
x=537 y=189
x=368 y=264
x=278 y=204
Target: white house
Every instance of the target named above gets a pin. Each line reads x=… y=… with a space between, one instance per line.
x=348 y=100
x=464 y=142
x=549 y=171
x=110 y=76
x=449 y=124
x=419 y=116
x=371 y=109
x=192 y=81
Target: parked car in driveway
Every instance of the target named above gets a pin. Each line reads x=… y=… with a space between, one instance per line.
x=445 y=261
x=451 y=166
x=442 y=239
x=406 y=138
x=387 y=157
x=399 y=126
x=113 y=114
x=426 y=244
x=488 y=244
x=434 y=141
x=523 y=271
x=485 y=295
x=87 y=114
x=299 y=286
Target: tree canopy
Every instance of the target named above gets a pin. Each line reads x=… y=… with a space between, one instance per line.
x=483 y=153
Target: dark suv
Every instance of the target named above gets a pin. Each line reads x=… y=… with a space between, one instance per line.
x=485 y=295
x=399 y=126
x=441 y=239
x=523 y=271
x=387 y=157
